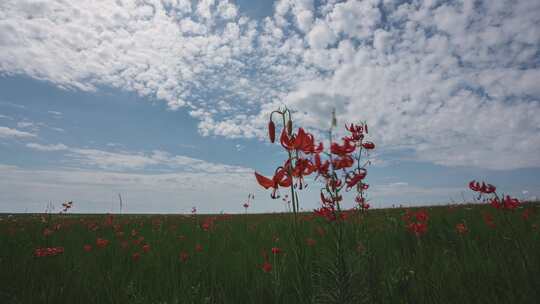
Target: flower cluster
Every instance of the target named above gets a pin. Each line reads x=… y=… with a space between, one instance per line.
x=341 y=169
x=342 y=158
x=416 y=222
x=48 y=251
x=503 y=202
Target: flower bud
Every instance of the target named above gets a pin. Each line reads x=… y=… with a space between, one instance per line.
x=289 y=126
x=272 y=131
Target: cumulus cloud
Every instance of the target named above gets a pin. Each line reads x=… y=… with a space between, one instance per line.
x=454 y=83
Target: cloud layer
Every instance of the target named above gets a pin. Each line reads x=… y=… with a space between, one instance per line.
x=452 y=83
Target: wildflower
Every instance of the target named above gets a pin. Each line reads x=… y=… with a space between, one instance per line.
x=102 y=243
x=47 y=232
x=48 y=251
x=136 y=256
x=368 y=145
x=276 y=250
x=146 y=248
x=417 y=229
x=87 y=248
x=280 y=178
x=416 y=222
x=183 y=256
x=461 y=228
x=198 y=248
x=267 y=267
x=482 y=188
x=310 y=242
x=526 y=214
x=488 y=219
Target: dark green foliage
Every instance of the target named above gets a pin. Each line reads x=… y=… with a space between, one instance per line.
x=381 y=261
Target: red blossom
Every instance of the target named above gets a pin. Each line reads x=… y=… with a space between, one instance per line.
x=48 y=251
x=146 y=248
x=276 y=250
x=266 y=267
x=87 y=248
x=183 y=256
x=102 y=243
x=461 y=228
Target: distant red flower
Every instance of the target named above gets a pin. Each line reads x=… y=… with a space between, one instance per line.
x=198 y=248
x=276 y=250
x=368 y=145
x=102 y=243
x=267 y=267
x=87 y=248
x=416 y=222
x=482 y=188
x=48 y=251
x=461 y=228
x=311 y=242
x=146 y=248
x=526 y=214
x=183 y=256
x=205 y=226
x=47 y=232
x=488 y=219
x=417 y=229
x=136 y=256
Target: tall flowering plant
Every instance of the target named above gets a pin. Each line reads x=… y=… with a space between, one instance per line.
x=340 y=167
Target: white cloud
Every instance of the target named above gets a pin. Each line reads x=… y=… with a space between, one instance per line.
x=454 y=82
x=6 y=132
x=128 y=160
x=97 y=191
x=48 y=148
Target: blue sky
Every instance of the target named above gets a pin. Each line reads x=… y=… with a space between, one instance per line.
x=166 y=102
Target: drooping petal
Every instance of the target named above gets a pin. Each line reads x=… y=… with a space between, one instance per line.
x=264 y=181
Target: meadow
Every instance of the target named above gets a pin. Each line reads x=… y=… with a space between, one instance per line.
x=470 y=253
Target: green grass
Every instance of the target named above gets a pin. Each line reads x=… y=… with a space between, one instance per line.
x=381 y=262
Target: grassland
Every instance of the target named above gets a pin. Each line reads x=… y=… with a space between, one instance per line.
x=185 y=261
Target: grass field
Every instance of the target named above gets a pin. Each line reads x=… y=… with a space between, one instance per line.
x=494 y=257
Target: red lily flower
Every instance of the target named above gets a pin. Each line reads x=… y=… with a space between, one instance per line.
x=267 y=267
x=354 y=178
x=102 y=243
x=281 y=178
x=461 y=228
x=302 y=141
x=49 y=251
x=344 y=162
x=356 y=132
x=482 y=188
x=368 y=145
x=343 y=150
